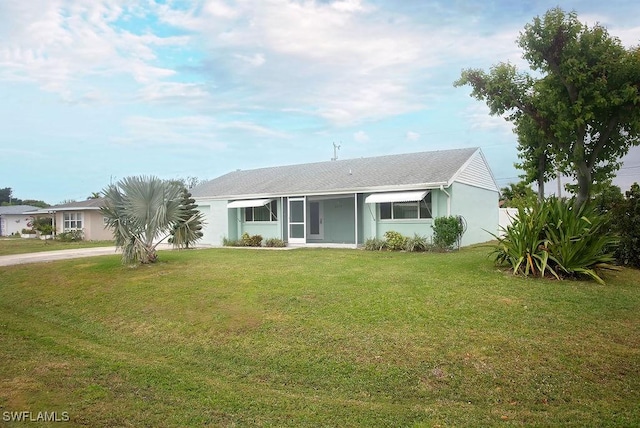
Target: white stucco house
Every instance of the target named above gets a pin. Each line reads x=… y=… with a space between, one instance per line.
x=350 y=201
x=14 y=218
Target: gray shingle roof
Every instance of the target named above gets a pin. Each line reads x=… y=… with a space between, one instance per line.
x=425 y=168
x=17 y=209
x=88 y=204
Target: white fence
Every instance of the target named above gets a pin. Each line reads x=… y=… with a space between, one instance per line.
x=505 y=218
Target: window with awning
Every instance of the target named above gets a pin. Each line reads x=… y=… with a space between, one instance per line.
x=411 y=196
x=257 y=209
x=402 y=205
x=246 y=203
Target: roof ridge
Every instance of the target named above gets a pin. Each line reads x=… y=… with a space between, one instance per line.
x=364 y=158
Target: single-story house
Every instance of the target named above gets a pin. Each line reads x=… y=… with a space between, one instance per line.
x=84 y=216
x=14 y=218
x=350 y=201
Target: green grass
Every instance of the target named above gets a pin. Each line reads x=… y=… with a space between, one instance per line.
x=10 y=246
x=227 y=337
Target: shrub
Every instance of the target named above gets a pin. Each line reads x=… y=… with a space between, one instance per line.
x=375 y=244
x=627 y=223
x=70 y=236
x=46 y=230
x=447 y=232
x=251 y=241
x=44 y=225
x=555 y=237
x=28 y=232
x=417 y=243
x=231 y=242
x=395 y=240
x=275 y=243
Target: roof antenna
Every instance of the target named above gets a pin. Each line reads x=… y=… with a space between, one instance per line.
x=336 y=147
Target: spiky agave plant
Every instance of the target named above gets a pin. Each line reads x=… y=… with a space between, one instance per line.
x=141 y=211
x=556 y=237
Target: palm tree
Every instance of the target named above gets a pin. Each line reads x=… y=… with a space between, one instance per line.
x=142 y=211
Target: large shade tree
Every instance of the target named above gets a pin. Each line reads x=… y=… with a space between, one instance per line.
x=579 y=111
x=142 y=211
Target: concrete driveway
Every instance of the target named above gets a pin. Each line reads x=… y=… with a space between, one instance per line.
x=48 y=256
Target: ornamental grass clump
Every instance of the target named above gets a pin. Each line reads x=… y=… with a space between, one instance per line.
x=553 y=237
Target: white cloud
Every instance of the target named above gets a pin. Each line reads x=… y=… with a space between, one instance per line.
x=361 y=137
x=188 y=131
x=335 y=58
x=175 y=93
x=412 y=136
x=195 y=131
x=347 y=61
x=57 y=44
x=220 y=9
x=255 y=60
x=254 y=129
x=478 y=119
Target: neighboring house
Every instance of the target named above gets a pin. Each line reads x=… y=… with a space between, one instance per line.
x=350 y=201
x=14 y=218
x=83 y=215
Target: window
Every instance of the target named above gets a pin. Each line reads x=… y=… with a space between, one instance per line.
x=266 y=212
x=406 y=210
x=72 y=221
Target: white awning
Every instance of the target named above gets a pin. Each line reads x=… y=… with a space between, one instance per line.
x=413 y=196
x=249 y=203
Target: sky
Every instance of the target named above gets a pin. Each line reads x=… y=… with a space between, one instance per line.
x=93 y=91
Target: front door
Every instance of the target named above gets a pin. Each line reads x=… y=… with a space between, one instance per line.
x=297 y=224
x=316 y=220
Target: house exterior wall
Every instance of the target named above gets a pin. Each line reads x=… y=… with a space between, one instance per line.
x=266 y=229
x=92 y=225
x=217 y=221
x=94 y=228
x=479 y=207
x=13 y=223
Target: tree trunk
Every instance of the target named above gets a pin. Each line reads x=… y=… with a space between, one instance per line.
x=542 y=167
x=583 y=176
x=540 y=188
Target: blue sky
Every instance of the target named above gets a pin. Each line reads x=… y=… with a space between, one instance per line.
x=93 y=91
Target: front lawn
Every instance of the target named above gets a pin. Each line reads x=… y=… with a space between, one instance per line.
x=315 y=337
x=22 y=245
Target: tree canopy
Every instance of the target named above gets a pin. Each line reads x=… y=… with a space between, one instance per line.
x=578 y=111
x=517 y=195
x=7 y=198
